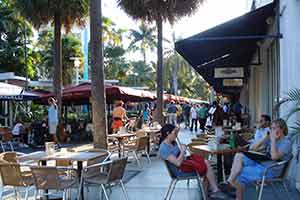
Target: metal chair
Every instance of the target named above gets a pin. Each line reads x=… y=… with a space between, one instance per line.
x=281 y=178
x=11 y=175
x=7 y=139
x=49 y=178
x=175 y=179
x=112 y=174
x=140 y=146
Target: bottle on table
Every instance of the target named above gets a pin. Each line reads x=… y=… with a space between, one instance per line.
x=232 y=140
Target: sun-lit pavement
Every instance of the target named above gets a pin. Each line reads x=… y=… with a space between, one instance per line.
x=151 y=183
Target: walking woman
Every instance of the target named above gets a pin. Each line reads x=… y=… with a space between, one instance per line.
x=119 y=116
x=52 y=118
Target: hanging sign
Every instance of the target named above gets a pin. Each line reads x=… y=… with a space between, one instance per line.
x=232 y=82
x=229 y=72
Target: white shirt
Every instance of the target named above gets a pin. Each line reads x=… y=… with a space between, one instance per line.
x=17 y=129
x=193 y=113
x=260 y=133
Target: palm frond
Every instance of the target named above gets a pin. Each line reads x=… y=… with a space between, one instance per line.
x=152 y=10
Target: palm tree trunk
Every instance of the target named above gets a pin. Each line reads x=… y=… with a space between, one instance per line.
x=144 y=56
x=175 y=70
x=97 y=75
x=159 y=72
x=57 y=72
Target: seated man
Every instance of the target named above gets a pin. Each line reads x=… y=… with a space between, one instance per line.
x=175 y=155
x=244 y=170
x=263 y=129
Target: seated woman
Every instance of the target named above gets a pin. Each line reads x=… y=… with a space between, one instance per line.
x=245 y=170
x=180 y=165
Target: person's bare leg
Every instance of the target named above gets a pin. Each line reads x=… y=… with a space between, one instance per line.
x=239 y=190
x=236 y=168
x=211 y=177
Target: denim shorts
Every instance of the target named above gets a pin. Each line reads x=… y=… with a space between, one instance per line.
x=252 y=171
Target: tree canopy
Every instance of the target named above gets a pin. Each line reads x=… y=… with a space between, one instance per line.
x=166 y=10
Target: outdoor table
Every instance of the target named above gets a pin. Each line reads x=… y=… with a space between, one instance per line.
x=79 y=157
x=120 y=137
x=218 y=150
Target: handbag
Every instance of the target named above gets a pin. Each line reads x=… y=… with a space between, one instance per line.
x=194 y=163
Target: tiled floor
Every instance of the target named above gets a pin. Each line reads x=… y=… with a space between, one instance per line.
x=152 y=181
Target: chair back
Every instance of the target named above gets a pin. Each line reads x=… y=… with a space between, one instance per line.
x=142 y=143
x=140 y=133
x=168 y=166
x=10 y=157
x=46 y=177
x=11 y=174
x=285 y=169
x=99 y=159
x=117 y=169
x=6 y=137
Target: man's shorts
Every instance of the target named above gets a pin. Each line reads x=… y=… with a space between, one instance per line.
x=252 y=171
x=52 y=128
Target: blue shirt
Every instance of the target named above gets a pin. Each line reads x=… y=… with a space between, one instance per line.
x=284 y=146
x=172 y=109
x=165 y=150
x=146 y=115
x=52 y=115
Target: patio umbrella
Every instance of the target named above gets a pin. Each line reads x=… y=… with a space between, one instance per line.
x=16 y=93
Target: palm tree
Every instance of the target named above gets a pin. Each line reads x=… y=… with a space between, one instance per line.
x=159 y=11
x=62 y=13
x=143 y=39
x=293 y=100
x=97 y=74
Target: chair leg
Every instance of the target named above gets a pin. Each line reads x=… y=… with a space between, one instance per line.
x=287 y=190
x=16 y=193
x=80 y=187
x=65 y=195
x=172 y=189
x=26 y=193
x=188 y=182
x=2 y=146
x=149 y=160
x=11 y=146
x=104 y=191
x=36 y=191
x=137 y=159
x=201 y=186
x=169 y=189
x=261 y=188
x=124 y=190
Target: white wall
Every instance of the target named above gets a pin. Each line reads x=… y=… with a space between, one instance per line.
x=290 y=60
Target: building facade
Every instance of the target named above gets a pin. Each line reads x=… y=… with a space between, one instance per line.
x=279 y=70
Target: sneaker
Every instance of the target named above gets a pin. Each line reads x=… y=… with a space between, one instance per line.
x=218 y=195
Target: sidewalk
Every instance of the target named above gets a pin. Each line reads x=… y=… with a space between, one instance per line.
x=152 y=181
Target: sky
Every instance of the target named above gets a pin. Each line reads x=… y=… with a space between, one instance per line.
x=210 y=14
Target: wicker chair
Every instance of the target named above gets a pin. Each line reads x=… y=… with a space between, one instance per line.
x=112 y=174
x=140 y=146
x=50 y=178
x=11 y=175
